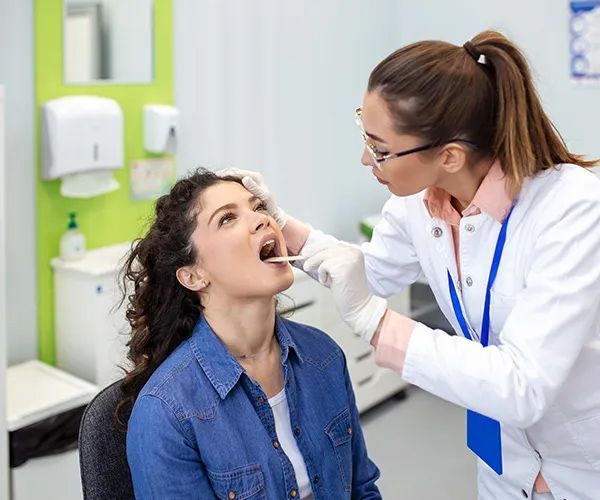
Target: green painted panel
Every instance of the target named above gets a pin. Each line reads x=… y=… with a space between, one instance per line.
x=108 y=219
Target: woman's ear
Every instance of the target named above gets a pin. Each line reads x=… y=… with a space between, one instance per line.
x=454 y=158
x=192 y=278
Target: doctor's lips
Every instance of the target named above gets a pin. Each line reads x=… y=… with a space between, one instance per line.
x=379 y=179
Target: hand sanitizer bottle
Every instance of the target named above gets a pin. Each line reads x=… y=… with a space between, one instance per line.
x=72 y=243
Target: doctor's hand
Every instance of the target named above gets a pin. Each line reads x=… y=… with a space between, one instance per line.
x=253 y=182
x=340 y=266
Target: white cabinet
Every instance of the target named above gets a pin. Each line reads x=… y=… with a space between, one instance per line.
x=91 y=330
x=37 y=395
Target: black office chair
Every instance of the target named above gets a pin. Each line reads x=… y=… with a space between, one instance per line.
x=104 y=470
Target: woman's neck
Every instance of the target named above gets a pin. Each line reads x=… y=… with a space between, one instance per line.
x=245 y=327
x=463 y=185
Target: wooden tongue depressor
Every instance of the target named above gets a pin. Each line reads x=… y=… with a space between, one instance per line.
x=288 y=258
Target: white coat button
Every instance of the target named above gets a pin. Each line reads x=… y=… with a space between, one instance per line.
x=470 y=228
x=469 y=281
x=437 y=232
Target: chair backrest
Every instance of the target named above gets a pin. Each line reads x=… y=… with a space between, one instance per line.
x=102 y=458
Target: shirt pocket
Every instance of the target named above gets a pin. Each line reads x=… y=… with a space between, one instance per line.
x=586 y=433
x=339 y=431
x=501 y=305
x=242 y=483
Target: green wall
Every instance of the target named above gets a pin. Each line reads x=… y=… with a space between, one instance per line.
x=107 y=219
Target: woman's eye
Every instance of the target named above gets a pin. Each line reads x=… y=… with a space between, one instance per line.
x=226 y=218
x=261 y=207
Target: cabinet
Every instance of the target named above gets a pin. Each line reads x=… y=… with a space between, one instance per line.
x=91 y=329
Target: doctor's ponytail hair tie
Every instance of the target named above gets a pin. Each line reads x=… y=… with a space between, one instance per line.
x=472 y=50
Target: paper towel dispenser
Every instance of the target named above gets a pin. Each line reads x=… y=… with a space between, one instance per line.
x=82 y=142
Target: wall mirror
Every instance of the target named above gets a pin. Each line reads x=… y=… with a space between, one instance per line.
x=108 y=41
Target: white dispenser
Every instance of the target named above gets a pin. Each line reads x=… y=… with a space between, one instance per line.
x=160 y=128
x=82 y=142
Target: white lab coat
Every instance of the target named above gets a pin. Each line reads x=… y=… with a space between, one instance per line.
x=540 y=376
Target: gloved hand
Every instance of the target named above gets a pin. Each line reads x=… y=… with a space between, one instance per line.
x=253 y=182
x=340 y=266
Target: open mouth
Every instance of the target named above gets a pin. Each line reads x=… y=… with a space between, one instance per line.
x=269 y=248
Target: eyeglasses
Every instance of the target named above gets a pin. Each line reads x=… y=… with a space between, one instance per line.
x=380 y=158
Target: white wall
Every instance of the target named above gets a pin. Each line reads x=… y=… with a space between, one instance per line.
x=3 y=431
x=16 y=74
x=272 y=86
x=541 y=28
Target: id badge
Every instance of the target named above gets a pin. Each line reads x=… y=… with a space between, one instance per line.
x=484 y=439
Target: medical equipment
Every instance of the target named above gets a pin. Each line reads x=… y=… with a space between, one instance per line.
x=286 y=258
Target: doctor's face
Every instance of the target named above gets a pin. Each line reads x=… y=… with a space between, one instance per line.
x=405 y=175
x=233 y=236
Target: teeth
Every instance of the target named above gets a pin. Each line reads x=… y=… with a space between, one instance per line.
x=269 y=242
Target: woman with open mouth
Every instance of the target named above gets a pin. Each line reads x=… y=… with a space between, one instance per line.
x=230 y=400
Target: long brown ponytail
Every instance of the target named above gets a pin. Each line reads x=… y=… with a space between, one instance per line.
x=482 y=92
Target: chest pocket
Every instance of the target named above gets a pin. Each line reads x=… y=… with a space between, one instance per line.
x=501 y=306
x=340 y=431
x=239 y=484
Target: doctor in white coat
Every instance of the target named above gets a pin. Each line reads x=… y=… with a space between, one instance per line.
x=504 y=222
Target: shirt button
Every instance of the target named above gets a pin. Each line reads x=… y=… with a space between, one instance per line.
x=316 y=479
x=275 y=444
x=437 y=232
x=350 y=431
x=232 y=495
x=293 y=493
x=469 y=281
x=470 y=228
x=261 y=399
x=297 y=431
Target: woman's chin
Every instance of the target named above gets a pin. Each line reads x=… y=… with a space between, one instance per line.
x=284 y=280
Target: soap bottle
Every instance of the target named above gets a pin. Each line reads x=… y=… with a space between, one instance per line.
x=72 y=243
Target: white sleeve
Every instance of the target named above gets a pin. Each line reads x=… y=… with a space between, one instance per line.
x=553 y=317
x=391 y=262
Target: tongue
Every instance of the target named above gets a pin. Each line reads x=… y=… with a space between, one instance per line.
x=266 y=251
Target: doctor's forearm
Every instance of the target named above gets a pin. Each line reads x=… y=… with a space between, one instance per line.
x=391 y=340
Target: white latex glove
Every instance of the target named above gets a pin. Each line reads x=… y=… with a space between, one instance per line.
x=253 y=182
x=340 y=266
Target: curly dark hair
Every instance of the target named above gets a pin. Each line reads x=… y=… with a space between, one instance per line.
x=161 y=312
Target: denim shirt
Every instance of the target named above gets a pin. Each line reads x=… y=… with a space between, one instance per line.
x=202 y=428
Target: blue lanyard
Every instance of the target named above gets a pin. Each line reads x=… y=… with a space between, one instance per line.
x=485 y=322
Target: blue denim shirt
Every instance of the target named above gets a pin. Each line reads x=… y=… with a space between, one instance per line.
x=202 y=428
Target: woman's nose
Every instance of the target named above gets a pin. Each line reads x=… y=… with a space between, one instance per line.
x=261 y=221
x=366 y=159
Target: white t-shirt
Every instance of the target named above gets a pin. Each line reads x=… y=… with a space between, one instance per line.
x=283 y=427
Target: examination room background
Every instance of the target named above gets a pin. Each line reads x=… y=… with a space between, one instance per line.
x=263 y=85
